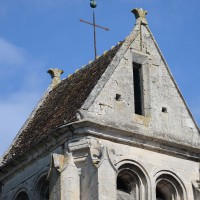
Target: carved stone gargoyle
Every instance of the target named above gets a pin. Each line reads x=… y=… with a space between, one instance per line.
x=96 y=152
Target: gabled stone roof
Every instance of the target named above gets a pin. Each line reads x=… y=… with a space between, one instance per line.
x=78 y=92
x=60 y=105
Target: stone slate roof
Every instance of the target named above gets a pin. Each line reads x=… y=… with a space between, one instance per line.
x=61 y=105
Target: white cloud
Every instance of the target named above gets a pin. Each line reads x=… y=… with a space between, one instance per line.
x=10 y=54
x=17 y=64
x=14 y=111
x=19 y=71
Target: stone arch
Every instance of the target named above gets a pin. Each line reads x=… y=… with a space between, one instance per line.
x=169 y=187
x=42 y=187
x=132 y=182
x=21 y=195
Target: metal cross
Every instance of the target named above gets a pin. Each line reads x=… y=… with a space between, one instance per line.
x=94 y=27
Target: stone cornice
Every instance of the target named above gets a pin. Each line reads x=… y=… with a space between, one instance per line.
x=84 y=128
x=48 y=144
x=134 y=138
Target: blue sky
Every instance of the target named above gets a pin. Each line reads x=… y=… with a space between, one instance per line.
x=36 y=35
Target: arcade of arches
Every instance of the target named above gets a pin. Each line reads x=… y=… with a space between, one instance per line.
x=132 y=185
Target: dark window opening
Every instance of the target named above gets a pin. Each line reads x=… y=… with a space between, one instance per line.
x=168 y=188
x=122 y=185
x=159 y=195
x=43 y=189
x=138 y=89
x=22 y=196
x=131 y=183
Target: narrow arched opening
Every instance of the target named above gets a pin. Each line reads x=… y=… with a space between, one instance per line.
x=22 y=196
x=127 y=185
x=43 y=189
x=165 y=191
x=168 y=188
x=131 y=183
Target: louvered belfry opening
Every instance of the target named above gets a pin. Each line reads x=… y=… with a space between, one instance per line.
x=138 y=88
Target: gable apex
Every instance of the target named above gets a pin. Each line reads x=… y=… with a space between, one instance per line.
x=140 y=15
x=165 y=114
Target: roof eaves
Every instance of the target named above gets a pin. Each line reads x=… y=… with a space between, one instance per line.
x=30 y=131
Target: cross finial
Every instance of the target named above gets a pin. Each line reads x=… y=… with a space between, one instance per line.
x=55 y=75
x=140 y=15
x=93 y=4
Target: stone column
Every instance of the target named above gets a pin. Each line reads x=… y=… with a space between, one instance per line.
x=107 y=178
x=64 y=178
x=98 y=180
x=89 y=181
x=97 y=175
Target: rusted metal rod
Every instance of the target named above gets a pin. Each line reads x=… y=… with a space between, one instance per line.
x=95 y=43
x=106 y=29
x=94 y=28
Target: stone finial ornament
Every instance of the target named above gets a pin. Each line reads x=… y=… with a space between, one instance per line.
x=140 y=15
x=55 y=75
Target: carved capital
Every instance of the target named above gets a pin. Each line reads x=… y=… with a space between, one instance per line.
x=196 y=189
x=196 y=184
x=112 y=156
x=57 y=162
x=80 y=144
x=96 y=152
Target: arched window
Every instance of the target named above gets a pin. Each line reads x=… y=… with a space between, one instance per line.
x=131 y=183
x=168 y=188
x=43 y=189
x=22 y=196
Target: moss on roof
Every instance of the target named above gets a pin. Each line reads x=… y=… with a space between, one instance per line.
x=61 y=105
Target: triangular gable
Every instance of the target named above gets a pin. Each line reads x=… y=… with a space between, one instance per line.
x=165 y=116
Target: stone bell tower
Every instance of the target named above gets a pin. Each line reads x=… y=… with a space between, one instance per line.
x=117 y=129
